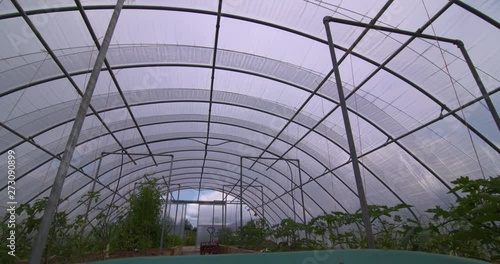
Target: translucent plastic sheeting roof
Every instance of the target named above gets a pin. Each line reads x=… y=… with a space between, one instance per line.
x=418 y=117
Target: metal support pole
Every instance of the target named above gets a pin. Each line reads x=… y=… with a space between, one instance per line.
x=224 y=212
x=350 y=139
x=291 y=191
x=55 y=193
x=262 y=200
x=222 y=209
x=417 y=34
x=176 y=209
x=213 y=214
x=236 y=216
x=197 y=225
x=225 y=215
x=241 y=192
x=163 y=222
x=480 y=84
x=183 y=213
x=302 y=198
x=166 y=203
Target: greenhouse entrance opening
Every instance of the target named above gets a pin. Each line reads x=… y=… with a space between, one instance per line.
x=207 y=218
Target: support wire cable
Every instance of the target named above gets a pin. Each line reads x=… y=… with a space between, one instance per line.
x=456 y=94
x=359 y=128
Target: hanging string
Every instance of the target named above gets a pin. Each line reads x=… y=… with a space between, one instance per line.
x=328 y=153
x=24 y=90
x=14 y=107
x=359 y=128
x=456 y=94
x=96 y=155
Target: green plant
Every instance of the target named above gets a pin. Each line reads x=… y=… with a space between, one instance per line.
x=253 y=235
x=226 y=236
x=190 y=238
x=469 y=228
x=337 y=227
x=140 y=228
x=288 y=233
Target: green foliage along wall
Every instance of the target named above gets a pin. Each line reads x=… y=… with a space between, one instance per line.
x=468 y=228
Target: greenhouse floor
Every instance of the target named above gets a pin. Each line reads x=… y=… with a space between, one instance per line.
x=190 y=251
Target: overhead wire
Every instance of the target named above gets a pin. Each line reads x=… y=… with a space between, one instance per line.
x=456 y=93
x=359 y=127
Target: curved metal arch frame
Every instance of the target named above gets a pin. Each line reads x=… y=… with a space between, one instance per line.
x=208 y=12
x=453 y=112
x=389 y=136
x=309 y=154
x=289 y=30
x=302 y=150
x=279 y=196
x=200 y=150
x=411 y=154
x=34 y=197
x=344 y=183
x=347 y=186
x=222 y=161
x=430 y=170
x=236 y=105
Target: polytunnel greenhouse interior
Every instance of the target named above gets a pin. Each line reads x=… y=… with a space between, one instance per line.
x=138 y=130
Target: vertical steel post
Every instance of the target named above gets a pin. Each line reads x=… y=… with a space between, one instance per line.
x=236 y=215
x=198 y=231
x=55 y=193
x=302 y=198
x=350 y=139
x=224 y=208
x=262 y=200
x=225 y=215
x=166 y=203
x=176 y=209
x=291 y=192
x=241 y=192
x=479 y=83
x=183 y=213
x=163 y=223
x=213 y=215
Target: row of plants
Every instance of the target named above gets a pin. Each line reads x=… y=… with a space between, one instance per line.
x=135 y=228
x=468 y=228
